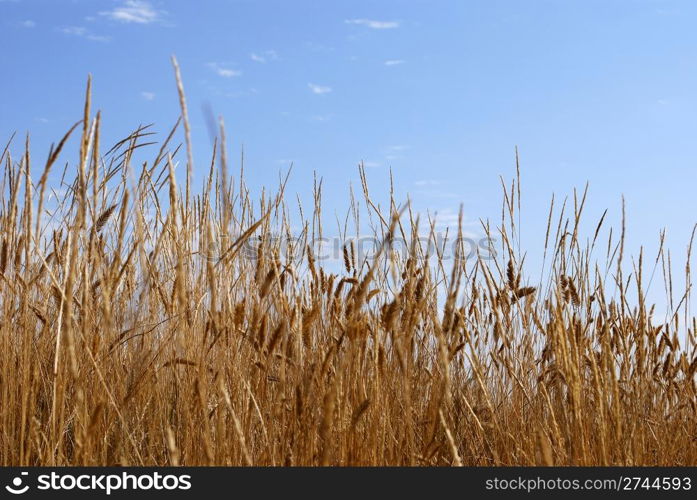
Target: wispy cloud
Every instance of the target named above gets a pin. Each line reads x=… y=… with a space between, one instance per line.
x=371 y=164
x=394 y=62
x=28 y=24
x=42 y=120
x=83 y=32
x=262 y=57
x=74 y=30
x=134 y=11
x=148 y=96
x=319 y=47
x=319 y=89
x=427 y=182
x=449 y=219
x=395 y=152
x=373 y=24
x=223 y=70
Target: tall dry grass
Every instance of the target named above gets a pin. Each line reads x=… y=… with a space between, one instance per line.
x=136 y=328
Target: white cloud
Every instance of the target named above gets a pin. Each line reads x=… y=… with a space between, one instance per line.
x=83 y=32
x=28 y=23
x=376 y=25
x=427 y=182
x=396 y=152
x=447 y=217
x=262 y=57
x=148 y=96
x=228 y=73
x=394 y=62
x=223 y=70
x=74 y=30
x=134 y=11
x=319 y=89
x=371 y=164
x=42 y=120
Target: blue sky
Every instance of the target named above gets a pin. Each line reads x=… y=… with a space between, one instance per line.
x=440 y=91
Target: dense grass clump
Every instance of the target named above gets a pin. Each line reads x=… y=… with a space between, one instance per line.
x=144 y=324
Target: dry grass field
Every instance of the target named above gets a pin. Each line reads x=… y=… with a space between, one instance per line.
x=137 y=328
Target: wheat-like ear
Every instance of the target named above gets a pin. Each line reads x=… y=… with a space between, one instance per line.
x=3 y=255
x=525 y=291
x=104 y=218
